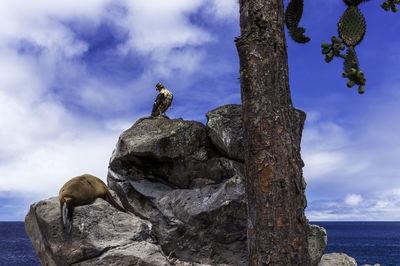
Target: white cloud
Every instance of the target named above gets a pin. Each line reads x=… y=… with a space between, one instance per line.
x=353 y=199
x=159 y=25
x=327 y=150
x=225 y=9
x=358 y=155
x=377 y=206
x=44 y=142
x=159 y=30
x=320 y=164
x=48 y=166
x=187 y=61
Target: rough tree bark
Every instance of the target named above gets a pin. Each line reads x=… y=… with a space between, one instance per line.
x=272 y=132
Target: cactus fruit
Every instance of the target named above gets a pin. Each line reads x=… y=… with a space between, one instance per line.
x=352 y=71
x=326 y=50
x=294 y=11
x=351 y=83
x=325 y=45
x=328 y=59
x=351 y=26
x=390 y=5
x=331 y=50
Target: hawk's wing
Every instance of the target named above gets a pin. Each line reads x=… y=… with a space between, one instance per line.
x=159 y=100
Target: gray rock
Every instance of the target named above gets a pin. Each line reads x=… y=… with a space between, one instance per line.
x=195 y=218
x=186 y=183
x=174 y=152
x=317 y=240
x=204 y=225
x=337 y=259
x=225 y=128
x=99 y=234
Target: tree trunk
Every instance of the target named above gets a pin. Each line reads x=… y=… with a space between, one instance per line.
x=275 y=186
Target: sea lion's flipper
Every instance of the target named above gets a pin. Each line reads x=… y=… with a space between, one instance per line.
x=67 y=210
x=64 y=214
x=111 y=200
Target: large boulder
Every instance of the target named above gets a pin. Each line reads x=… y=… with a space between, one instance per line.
x=100 y=233
x=174 y=152
x=196 y=203
x=225 y=128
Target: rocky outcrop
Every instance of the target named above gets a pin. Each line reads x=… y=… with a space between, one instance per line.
x=317 y=241
x=99 y=235
x=186 y=182
x=337 y=259
x=192 y=194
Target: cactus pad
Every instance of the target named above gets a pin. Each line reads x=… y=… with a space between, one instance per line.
x=351 y=26
x=351 y=60
x=353 y=2
x=352 y=71
x=293 y=13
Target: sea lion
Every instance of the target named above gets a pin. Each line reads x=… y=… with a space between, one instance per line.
x=82 y=190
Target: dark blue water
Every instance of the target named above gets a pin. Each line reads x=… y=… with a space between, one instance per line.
x=367 y=242
x=15 y=247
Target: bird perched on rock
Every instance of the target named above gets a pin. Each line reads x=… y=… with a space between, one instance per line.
x=162 y=102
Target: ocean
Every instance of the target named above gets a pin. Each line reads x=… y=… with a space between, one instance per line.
x=367 y=242
x=15 y=247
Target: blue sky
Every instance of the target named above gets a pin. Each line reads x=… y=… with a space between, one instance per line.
x=75 y=74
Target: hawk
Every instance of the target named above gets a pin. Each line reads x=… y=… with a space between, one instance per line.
x=162 y=102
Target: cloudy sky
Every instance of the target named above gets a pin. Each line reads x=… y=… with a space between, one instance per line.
x=75 y=74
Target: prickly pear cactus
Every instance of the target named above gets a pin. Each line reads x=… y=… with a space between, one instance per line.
x=351 y=30
x=293 y=13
